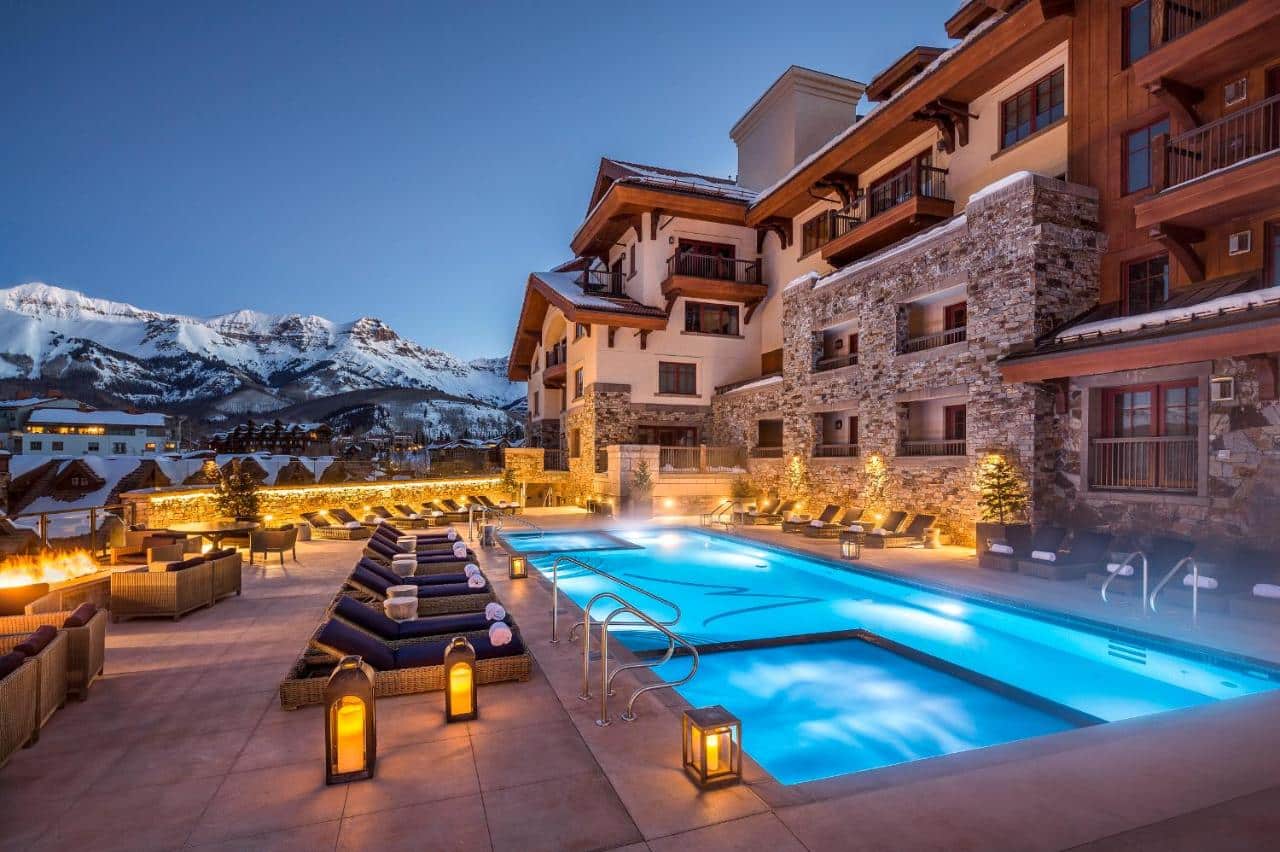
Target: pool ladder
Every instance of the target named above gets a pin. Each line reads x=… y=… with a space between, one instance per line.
x=478 y=516
x=718 y=516
x=1149 y=601
x=624 y=607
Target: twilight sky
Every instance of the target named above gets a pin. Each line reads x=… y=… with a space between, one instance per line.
x=411 y=161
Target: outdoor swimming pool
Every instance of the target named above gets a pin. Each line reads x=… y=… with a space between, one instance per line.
x=927 y=673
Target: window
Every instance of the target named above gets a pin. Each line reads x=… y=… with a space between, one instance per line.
x=705 y=260
x=36 y=445
x=677 y=378
x=955 y=316
x=1146 y=285
x=817 y=232
x=581 y=330
x=119 y=448
x=575 y=443
x=150 y=447
x=93 y=447
x=57 y=446
x=1138 y=154
x=1149 y=438
x=577 y=383
x=631 y=260
x=537 y=403
x=769 y=433
x=1137 y=32
x=1235 y=91
x=79 y=481
x=667 y=436
x=706 y=318
x=954 y=422
x=1033 y=109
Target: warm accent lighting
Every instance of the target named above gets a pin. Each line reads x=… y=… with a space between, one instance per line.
x=850 y=548
x=712 y=746
x=350 y=735
x=517 y=567
x=668 y=503
x=460 y=681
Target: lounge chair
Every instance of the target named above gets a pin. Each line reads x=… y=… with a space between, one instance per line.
x=891 y=524
x=322 y=527
x=1086 y=551
x=182 y=587
x=48 y=647
x=912 y=534
x=415 y=518
x=413 y=580
x=776 y=515
x=345 y=518
x=455 y=515
x=374 y=622
x=1162 y=552
x=833 y=529
x=430 y=562
x=19 y=698
x=442 y=599
x=136 y=543
x=748 y=516
x=797 y=526
x=429 y=544
x=1261 y=600
x=86 y=631
x=1018 y=543
x=1222 y=580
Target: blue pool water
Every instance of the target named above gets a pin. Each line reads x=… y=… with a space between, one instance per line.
x=563 y=542
x=817 y=710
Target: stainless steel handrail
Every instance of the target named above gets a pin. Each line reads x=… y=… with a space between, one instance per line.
x=586 y=612
x=708 y=519
x=1106 y=583
x=1195 y=586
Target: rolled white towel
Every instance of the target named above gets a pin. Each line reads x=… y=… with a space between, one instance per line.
x=879 y=531
x=1044 y=555
x=459 y=549
x=1266 y=590
x=856 y=528
x=1205 y=582
x=495 y=611
x=452 y=534
x=475 y=581
x=816 y=524
x=1123 y=569
x=1000 y=547
x=352 y=525
x=436 y=513
x=378 y=519
x=499 y=634
x=502 y=504
x=471 y=569
x=402 y=591
x=414 y=516
x=793 y=518
x=401 y=609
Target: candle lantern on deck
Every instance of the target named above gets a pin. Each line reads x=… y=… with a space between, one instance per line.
x=517 y=567
x=460 y=681
x=850 y=546
x=350 y=735
x=712 y=747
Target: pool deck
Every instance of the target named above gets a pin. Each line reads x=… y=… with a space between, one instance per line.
x=183 y=744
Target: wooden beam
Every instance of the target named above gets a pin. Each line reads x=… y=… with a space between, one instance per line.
x=844 y=185
x=644 y=338
x=1178 y=241
x=1181 y=100
x=612 y=332
x=654 y=216
x=671 y=301
x=751 y=311
x=777 y=225
x=952 y=120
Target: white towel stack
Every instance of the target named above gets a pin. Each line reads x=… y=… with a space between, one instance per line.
x=436 y=513
x=475 y=581
x=401 y=609
x=352 y=525
x=402 y=591
x=471 y=569
x=499 y=634
x=1124 y=570
x=377 y=519
x=1044 y=555
x=494 y=611
x=459 y=549
x=1000 y=547
x=414 y=516
x=452 y=534
x=1205 y=582
x=816 y=524
x=855 y=528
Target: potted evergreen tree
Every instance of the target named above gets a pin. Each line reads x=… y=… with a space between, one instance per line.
x=236 y=494
x=1002 y=500
x=640 y=496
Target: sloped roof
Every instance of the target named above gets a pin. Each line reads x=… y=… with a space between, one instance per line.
x=95 y=418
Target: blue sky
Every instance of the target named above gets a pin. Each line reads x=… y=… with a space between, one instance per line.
x=411 y=161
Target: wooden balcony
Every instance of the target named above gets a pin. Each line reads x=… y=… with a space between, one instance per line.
x=704 y=276
x=1163 y=464
x=889 y=219
x=835 y=451
x=556 y=366
x=1222 y=170
x=1199 y=41
x=922 y=449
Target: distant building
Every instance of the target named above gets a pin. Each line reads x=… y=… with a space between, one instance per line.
x=14 y=414
x=274 y=437
x=65 y=431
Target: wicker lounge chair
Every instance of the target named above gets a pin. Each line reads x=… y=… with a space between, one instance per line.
x=1222 y=579
x=345 y=518
x=411 y=518
x=1261 y=600
x=912 y=534
x=86 y=643
x=891 y=525
x=382 y=551
x=136 y=543
x=442 y=599
x=426 y=543
x=749 y=515
x=19 y=699
x=775 y=515
x=181 y=588
x=51 y=674
x=797 y=526
x=267 y=542
x=322 y=527
x=1088 y=550
x=1163 y=553
x=412 y=580
x=449 y=515
x=833 y=529
x=373 y=621
x=1021 y=540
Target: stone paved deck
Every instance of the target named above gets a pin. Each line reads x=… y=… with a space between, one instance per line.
x=183 y=744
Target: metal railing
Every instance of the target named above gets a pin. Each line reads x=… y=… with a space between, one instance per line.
x=711 y=266
x=558 y=354
x=718 y=515
x=700 y=459
x=1185 y=16
x=97 y=543
x=933 y=448
x=586 y=613
x=1195 y=587
x=601 y=281
x=835 y=451
x=478 y=516
x=555 y=460
x=835 y=362
x=1145 y=464
x=1119 y=572
x=607 y=677
x=1220 y=144
x=922 y=181
x=936 y=339
x=766 y=452
x=824 y=228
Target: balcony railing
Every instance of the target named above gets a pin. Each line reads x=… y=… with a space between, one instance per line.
x=824 y=228
x=601 y=281
x=700 y=459
x=766 y=452
x=835 y=451
x=555 y=460
x=557 y=354
x=1168 y=464
x=717 y=268
x=835 y=362
x=923 y=181
x=1221 y=144
x=602 y=461
x=933 y=341
x=933 y=448
x=1184 y=16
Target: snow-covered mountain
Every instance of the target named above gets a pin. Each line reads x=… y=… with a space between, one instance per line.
x=234 y=364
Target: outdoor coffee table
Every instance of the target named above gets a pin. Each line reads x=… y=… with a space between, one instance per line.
x=215 y=531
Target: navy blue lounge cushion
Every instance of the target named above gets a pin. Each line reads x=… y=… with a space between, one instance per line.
x=448 y=590
x=370 y=580
x=348 y=640
x=396 y=580
x=435 y=625
x=184 y=564
x=432 y=653
x=382 y=548
x=9 y=663
x=81 y=615
x=368 y=618
x=37 y=641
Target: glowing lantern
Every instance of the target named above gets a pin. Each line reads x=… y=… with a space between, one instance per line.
x=517 y=567
x=350 y=737
x=851 y=546
x=460 y=681
x=712 y=746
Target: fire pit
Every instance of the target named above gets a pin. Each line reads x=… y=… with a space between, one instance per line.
x=57 y=580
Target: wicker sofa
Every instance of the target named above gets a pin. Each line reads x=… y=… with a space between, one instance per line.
x=51 y=676
x=19 y=697
x=175 y=592
x=226 y=572
x=86 y=646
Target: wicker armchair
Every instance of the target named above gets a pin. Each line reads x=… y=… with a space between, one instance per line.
x=51 y=675
x=136 y=543
x=139 y=592
x=19 y=697
x=86 y=646
x=225 y=573
x=267 y=542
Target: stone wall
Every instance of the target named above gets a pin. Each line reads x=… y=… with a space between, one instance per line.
x=1026 y=258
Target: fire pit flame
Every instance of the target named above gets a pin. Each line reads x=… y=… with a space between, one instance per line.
x=46 y=568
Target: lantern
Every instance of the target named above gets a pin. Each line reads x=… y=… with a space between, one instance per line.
x=712 y=746
x=517 y=567
x=851 y=547
x=350 y=736
x=460 y=681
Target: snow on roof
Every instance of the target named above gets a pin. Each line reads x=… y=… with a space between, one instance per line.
x=684 y=181
x=758 y=383
x=566 y=285
x=95 y=418
x=1209 y=308
x=110 y=469
x=23 y=403
x=942 y=229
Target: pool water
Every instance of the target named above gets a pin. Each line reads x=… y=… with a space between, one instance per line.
x=563 y=542
x=882 y=707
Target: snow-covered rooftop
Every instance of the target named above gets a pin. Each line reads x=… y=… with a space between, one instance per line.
x=23 y=403
x=1186 y=313
x=69 y=417
x=566 y=284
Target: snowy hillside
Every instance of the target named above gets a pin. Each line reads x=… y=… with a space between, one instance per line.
x=235 y=363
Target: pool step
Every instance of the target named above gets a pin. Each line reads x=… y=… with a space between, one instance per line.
x=1128 y=653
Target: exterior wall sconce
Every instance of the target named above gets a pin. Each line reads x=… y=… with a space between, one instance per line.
x=350 y=732
x=712 y=750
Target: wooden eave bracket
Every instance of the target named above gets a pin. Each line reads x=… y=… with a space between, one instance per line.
x=751 y=310
x=844 y=185
x=1178 y=240
x=643 y=334
x=1180 y=98
x=671 y=301
x=774 y=224
x=654 y=216
x=612 y=331
x=952 y=120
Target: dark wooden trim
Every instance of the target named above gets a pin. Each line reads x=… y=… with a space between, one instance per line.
x=1181 y=100
x=1178 y=241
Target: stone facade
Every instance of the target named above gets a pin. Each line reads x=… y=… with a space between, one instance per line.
x=1025 y=257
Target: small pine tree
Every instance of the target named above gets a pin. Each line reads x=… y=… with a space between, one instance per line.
x=1002 y=496
x=510 y=482
x=741 y=489
x=236 y=493
x=641 y=479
